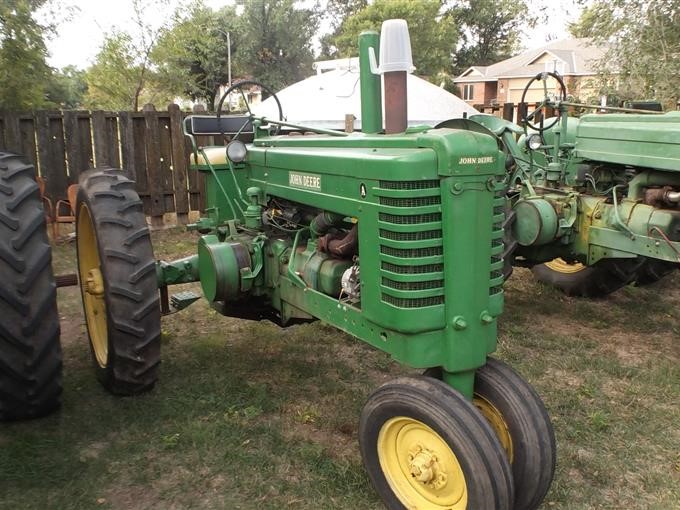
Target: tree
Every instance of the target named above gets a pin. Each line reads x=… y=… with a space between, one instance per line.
x=191 y=57
x=643 y=40
x=122 y=76
x=491 y=30
x=66 y=88
x=23 y=68
x=433 y=33
x=274 y=41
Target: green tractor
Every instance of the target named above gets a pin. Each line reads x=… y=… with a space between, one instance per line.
x=394 y=235
x=594 y=200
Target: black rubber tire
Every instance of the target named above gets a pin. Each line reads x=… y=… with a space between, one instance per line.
x=481 y=456
x=598 y=280
x=653 y=270
x=528 y=424
x=133 y=319
x=30 y=352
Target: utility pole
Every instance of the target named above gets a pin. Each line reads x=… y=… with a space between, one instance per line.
x=229 y=58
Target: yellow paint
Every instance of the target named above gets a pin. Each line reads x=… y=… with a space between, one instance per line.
x=92 y=285
x=497 y=422
x=420 y=467
x=564 y=267
x=216 y=156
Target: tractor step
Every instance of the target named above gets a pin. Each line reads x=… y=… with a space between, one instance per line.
x=182 y=299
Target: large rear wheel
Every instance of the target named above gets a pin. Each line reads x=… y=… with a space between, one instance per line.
x=30 y=352
x=117 y=274
x=425 y=447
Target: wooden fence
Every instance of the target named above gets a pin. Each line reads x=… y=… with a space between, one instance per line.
x=148 y=145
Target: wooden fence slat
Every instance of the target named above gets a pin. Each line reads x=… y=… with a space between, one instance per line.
x=101 y=148
x=127 y=135
x=153 y=167
x=143 y=188
x=179 y=165
x=27 y=139
x=12 y=135
x=113 y=140
x=51 y=153
x=508 y=111
x=165 y=143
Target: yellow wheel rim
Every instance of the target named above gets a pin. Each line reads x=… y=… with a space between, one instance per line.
x=497 y=422
x=92 y=285
x=421 y=469
x=562 y=266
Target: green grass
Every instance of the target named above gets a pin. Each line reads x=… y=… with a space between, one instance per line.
x=247 y=415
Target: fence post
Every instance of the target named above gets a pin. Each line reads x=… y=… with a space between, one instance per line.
x=153 y=169
x=508 y=111
x=522 y=110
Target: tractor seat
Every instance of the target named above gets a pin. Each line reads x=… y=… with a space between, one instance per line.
x=209 y=125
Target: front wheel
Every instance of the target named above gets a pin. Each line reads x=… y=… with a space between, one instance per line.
x=598 y=280
x=118 y=283
x=425 y=447
x=520 y=421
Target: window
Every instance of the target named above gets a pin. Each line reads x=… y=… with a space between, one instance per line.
x=468 y=92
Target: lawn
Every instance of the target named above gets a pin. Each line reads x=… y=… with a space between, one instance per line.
x=249 y=416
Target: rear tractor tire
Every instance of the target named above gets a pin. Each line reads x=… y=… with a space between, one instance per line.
x=30 y=352
x=522 y=425
x=425 y=447
x=598 y=280
x=117 y=273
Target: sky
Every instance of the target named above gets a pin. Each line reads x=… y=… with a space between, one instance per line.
x=78 y=39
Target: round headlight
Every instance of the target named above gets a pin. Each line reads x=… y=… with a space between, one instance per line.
x=534 y=141
x=236 y=151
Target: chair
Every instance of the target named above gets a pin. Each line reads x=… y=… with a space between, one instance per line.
x=60 y=206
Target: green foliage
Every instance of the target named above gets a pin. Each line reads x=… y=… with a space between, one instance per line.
x=491 y=31
x=66 y=88
x=643 y=60
x=122 y=76
x=433 y=34
x=274 y=41
x=23 y=69
x=191 y=57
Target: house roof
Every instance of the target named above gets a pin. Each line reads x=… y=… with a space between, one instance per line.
x=323 y=100
x=575 y=56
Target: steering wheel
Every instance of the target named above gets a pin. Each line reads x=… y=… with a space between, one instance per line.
x=563 y=93
x=239 y=86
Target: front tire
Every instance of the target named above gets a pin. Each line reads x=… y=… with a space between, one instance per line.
x=598 y=280
x=522 y=425
x=30 y=352
x=425 y=447
x=117 y=273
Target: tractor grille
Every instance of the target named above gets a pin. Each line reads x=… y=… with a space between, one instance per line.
x=411 y=246
x=496 y=283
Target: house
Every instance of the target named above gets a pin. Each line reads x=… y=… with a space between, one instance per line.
x=574 y=59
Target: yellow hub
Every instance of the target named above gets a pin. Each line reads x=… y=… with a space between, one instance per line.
x=92 y=285
x=497 y=422
x=562 y=266
x=420 y=467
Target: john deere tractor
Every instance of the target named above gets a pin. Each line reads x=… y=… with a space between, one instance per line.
x=595 y=200
x=394 y=234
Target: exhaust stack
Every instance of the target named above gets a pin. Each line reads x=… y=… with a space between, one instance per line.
x=395 y=63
